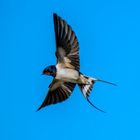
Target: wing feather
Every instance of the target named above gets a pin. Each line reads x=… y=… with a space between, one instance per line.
x=67 y=46
x=58 y=95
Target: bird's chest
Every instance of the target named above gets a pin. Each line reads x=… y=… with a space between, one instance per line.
x=66 y=74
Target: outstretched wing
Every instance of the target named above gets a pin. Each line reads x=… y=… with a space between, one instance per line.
x=67 y=46
x=58 y=94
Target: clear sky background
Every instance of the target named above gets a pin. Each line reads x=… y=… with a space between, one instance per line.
x=109 y=35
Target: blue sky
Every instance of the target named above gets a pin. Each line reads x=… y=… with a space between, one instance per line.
x=109 y=36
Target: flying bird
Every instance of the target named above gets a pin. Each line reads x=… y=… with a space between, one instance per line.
x=66 y=73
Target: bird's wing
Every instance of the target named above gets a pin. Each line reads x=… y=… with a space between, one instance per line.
x=58 y=93
x=67 y=46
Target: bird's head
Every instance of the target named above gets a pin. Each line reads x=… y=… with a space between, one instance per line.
x=50 y=70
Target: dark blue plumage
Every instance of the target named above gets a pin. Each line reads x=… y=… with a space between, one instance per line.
x=50 y=70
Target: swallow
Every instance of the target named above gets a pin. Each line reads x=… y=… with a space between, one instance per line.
x=66 y=73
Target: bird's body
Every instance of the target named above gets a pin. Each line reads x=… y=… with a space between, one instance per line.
x=66 y=73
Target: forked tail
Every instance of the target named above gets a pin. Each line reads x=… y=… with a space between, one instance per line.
x=87 y=88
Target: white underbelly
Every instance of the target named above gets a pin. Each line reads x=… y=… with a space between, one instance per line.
x=66 y=74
